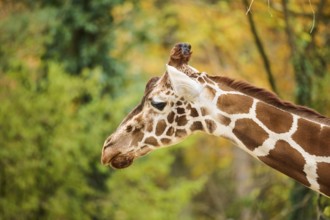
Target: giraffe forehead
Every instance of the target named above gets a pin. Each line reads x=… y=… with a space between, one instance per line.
x=163 y=95
x=161 y=90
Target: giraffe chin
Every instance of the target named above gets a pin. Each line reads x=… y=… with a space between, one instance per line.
x=121 y=161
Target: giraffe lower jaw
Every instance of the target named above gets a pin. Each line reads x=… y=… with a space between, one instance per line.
x=121 y=161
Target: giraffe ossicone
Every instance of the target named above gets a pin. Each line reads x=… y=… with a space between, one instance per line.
x=291 y=139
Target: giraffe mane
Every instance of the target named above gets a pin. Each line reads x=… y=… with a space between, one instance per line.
x=271 y=99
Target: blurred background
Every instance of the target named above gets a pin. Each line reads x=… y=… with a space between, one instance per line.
x=70 y=70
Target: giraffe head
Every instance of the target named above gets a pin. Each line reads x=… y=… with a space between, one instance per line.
x=166 y=115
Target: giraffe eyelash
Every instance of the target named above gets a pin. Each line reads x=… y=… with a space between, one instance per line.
x=158 y=105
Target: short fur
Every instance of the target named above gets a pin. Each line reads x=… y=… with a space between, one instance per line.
x=271 y=98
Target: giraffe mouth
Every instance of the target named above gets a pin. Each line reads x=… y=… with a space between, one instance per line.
x=121 y=161
x=115 y=158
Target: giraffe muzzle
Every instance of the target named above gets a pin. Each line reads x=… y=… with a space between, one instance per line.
x=122 y=161
x=116 y=159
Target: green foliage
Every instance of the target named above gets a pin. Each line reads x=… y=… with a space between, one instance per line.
x=82 y=38
x=323 y=204
x=63 y=90
x=147 y=188
x=52 y=133
x=45 y=144
x=82 y=35
x=22 y=43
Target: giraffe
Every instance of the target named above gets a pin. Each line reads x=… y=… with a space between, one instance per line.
x=292 y=139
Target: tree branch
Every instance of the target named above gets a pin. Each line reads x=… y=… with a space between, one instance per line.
x=261 y=50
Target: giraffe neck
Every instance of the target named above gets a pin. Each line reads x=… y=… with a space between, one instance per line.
x=290 y=143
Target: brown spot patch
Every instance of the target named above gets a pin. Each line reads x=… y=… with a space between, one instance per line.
x=180 y=133
x=287 y=160
x=224 y=120
x=208 y=80
x=234 y=104
x=323 y=170
x=211 y=125
x=201 y=80
x=181 y=120
x=137 y=137
x=250 y=133
x=180 y=110
x=144 y=150
x=312 y=138
x=325 y=140
x=170 y=131
x=160 y=128
x=210 y=92
x=151 y=141
x=204 y=111
x=150 y=126
x=193 y=112
x=165 y=141
x=273 y=118
x=170 y=117
x=138 y=121
x=178 y=103
x=197 y=125
x=129 y=128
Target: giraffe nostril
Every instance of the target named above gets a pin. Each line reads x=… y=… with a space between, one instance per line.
x=108 y=142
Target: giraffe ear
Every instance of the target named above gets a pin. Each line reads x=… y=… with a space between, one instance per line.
x=182 y=84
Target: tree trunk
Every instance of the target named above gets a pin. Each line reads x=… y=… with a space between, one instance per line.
x=242 y=167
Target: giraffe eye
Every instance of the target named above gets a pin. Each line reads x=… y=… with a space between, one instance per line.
x=158 y=105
